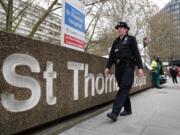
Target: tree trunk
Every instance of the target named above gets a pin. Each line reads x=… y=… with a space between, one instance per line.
x=9 y=16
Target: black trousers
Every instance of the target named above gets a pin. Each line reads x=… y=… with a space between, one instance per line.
x=174 y=79
x=125 y=78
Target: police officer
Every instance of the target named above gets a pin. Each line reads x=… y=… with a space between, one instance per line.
x=125 y=55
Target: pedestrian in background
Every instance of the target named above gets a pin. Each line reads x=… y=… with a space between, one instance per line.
x=173 y=72
x=125 y=55
x=156 y=72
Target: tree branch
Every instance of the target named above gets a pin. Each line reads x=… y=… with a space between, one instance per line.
x=90 y=23
x=41 y=19
x=55 y=8
x=98 y=15
x=92 y=3
x=27 y=4
x=3 y=5
x=14 y=29
x=90 y=10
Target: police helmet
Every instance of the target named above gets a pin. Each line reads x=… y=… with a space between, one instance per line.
x=122 y=24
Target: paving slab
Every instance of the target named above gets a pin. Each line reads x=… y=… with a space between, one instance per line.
x=155 y=112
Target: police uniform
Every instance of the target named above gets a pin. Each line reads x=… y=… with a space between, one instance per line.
x=125 y=55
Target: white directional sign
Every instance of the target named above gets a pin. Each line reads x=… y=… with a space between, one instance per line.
x=73 y=25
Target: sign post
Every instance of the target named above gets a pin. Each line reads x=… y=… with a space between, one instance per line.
x=73 y=25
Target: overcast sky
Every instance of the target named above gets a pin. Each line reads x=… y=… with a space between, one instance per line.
x=160 y=3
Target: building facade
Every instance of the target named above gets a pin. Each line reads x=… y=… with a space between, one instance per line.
x=49 y=30
x=173 y=9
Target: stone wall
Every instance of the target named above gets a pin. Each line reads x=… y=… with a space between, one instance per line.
x=41 y=82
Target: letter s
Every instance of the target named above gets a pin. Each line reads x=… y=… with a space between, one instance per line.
x=9 y=73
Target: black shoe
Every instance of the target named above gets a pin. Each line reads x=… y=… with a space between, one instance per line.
x=125 y=113
x=112 y=116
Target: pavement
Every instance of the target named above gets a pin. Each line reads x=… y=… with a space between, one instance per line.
x=155 y=112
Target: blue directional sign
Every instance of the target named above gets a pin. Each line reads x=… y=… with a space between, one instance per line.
x=74 y=18
x=73 y=25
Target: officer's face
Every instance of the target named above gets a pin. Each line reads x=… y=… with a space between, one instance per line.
x=122 y=31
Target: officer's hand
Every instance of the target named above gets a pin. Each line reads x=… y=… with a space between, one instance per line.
x=140 y=72
x=106 y=72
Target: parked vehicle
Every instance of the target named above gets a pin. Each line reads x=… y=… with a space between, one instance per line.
x=163 y=79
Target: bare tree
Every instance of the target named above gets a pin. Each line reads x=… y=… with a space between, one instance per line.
x=135 y=13
x=102 y=45
x=101 y=17
x=96 y=18
x=14 y=15
x=43 y=17
x=161 y=35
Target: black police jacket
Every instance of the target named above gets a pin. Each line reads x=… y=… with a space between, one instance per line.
x=124 y=49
